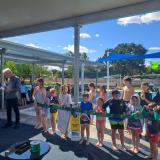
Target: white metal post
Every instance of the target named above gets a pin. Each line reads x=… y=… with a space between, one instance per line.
x=107 y=76
x=82 y=77
x=3 y=51
x=62 y=73
x=76 y=62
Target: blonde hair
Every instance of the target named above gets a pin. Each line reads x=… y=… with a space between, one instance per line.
x=52 y=90
x=7 y=70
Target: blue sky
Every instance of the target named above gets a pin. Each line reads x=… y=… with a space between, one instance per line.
x=95 y=38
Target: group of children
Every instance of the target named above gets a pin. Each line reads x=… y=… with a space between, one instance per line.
x=121 y=107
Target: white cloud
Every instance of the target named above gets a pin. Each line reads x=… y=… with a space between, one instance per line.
x=140 y=19
x=83 y=49
x=33 y=45
x=53 y=67
x=155 y=48
x=85 y=35
x=97 y=35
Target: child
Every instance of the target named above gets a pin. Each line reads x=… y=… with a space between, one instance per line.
x=117 y=110
x=24 y=90
x=145 y=99
x=39 y=95
x=53 y=112
x=152 y=114
x=128 y=91
x=85 y=118
x=134 y=125
x=100 y=121
x=65 y=100
x=103 y=93
x=145 y=95
x=45 y=113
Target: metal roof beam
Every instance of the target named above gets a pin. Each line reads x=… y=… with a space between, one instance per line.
x=34 y=52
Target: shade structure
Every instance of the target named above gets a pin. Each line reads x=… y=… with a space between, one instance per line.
x=117 y=56
x=23 y=17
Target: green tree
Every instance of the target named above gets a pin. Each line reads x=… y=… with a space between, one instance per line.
x=69 y=71
x=25 y=70
x=153 y=67
x=127 y=67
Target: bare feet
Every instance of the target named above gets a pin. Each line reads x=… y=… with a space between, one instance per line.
x=97 y=144
x=39 y=127
x=114 y=148
x=52 y=132
x=136 y=151
x=132 y=149
x=101 y=145
x=63 y=136
x=81 y=141
x=124 y=148
x=87 y=142
x=36 y=126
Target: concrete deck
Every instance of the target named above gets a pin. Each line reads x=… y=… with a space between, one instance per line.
x=67 y=150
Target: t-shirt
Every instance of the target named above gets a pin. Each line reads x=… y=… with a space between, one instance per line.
x=54 y=100
x=86 y=106
x=23 y=89
x=148 y=96
x=117 y=107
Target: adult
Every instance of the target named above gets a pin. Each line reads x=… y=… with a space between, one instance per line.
x=92 y=96
x=39 y=95
x=11 y=89
x=63 y=115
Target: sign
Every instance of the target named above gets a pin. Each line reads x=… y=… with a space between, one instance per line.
x=75 y=128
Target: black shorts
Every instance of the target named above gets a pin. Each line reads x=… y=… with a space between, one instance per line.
x=23 y=95
x=117 y=126
x=85 y=122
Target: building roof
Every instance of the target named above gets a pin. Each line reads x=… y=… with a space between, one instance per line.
x=23 y=17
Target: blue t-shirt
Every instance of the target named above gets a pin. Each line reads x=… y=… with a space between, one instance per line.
x=86 y=106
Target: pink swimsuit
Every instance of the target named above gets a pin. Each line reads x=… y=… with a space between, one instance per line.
x=99 y=119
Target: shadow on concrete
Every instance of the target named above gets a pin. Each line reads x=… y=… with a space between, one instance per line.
x=127 y=139
x=9 y=136
x=90 y=152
